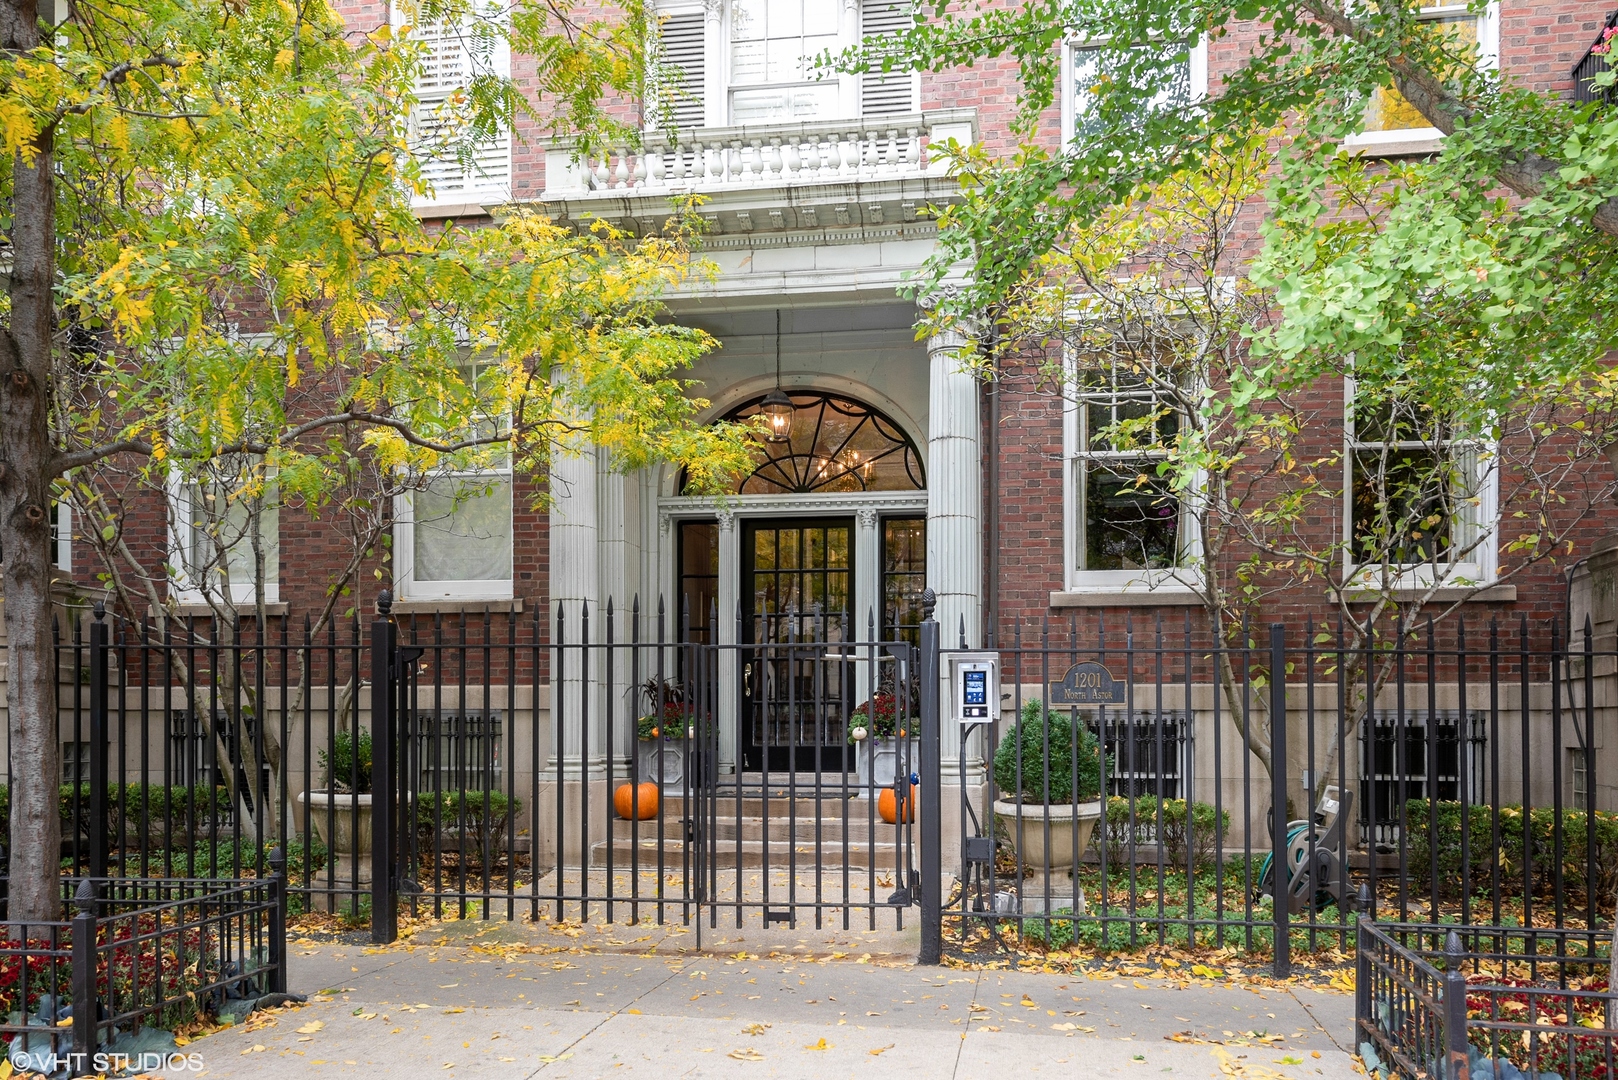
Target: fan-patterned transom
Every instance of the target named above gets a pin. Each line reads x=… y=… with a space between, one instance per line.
x=835 y=444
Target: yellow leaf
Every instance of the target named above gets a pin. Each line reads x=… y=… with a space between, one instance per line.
x=311 y=1027
x=819 y=1044
x=874 y=1053
x=455 y=1009
x=746 y=1054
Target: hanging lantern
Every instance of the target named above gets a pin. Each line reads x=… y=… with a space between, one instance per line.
x=777 y=408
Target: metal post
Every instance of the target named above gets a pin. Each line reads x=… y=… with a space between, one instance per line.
x=932 y=810
x=384 y=917
x=1363 y=1019
x=1456 y=1046
x=84 y=979
x=1280 y=865
x=98 y=745
x=278 y=921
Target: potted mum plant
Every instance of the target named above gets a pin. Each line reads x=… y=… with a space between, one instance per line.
x=664 y=733
x=341 y=814
x=875 y=732
x=1048 y=805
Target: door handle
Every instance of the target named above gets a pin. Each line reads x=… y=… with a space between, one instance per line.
x=747 y=679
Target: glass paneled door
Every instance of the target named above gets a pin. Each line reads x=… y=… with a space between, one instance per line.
x=797 y=596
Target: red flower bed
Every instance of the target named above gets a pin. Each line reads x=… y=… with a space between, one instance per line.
x=1547 y=1050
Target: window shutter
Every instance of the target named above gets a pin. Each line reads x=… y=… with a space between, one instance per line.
x=454 y=55
x=883 y=93
x=685 y=50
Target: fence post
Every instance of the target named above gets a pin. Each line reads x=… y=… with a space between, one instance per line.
x=384 y=916
x=1456 y=1046
x=84 y=979
x=1362 y=981
x=1281 y=869
x=99 y=845
x=932 y=809
x=278 y=920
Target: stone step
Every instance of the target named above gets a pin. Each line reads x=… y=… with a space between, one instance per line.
x=779 y=829
x=749 y=854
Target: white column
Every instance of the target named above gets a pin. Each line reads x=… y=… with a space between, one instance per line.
x=613 y=568
x=575 y=577
x=954 y=492
x=867 y=592
x=715 y=109
x=954 y=523
x=730 y=565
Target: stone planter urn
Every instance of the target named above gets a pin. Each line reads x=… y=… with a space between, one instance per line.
x=1070 y=829
x=347 y=838
x=876 y=761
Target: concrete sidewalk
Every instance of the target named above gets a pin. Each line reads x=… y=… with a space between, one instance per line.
x=499 y=1007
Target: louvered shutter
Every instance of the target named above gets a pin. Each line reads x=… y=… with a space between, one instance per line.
x=454 y=55
x=883 y=93
x=684 y=50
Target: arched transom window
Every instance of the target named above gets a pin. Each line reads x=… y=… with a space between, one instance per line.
x=835 y=444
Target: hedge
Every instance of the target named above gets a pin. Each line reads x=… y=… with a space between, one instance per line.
x=1171 y=831
x=158 y=802
x=1479 y=873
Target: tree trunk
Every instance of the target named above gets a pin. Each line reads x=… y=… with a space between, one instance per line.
x=28 y=462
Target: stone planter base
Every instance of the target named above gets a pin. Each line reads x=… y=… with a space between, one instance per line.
x=661 y=761
x=350 y=845
x=1070 y=830
x=877 y=760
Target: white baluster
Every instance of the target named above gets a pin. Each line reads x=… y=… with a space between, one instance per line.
x=793 y=159
x=895 y=152
x=873 y=151
x=601 y=176
x=848 y=144
x=733 y=162
x=912 y=150
x=621 y=174
x=810 y=166
x=674 y=157
x=774 y=170
x=643 y=169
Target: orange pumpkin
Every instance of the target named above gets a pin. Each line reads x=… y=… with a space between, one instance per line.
x=886 y=805
x=635 y=803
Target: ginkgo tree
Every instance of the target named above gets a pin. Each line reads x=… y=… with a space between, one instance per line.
x=216 y=278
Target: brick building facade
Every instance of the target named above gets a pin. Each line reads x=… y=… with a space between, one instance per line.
x=815 y=199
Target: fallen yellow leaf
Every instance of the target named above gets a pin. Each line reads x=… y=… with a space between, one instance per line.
x=311 y=1027
x=874 y=1053
x=746 y=1054
x=819 y=1044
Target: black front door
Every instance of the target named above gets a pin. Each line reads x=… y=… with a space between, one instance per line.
x=797 y=595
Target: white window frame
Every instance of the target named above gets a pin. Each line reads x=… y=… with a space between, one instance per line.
x=1424 y=140
x=64 y=537
x=405 y=585
x=477 y=189
x=1479 y=529
x=185 y=590
x=1185 y=576
x=1199 y=78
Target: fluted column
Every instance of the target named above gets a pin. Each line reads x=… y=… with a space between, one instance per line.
x=574 y=579
x=613 y=568
x=954 y=492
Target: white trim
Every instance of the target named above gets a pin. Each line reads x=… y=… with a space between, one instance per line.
x=64 y=537
x=178 y=505
x=1198 y=77
x=1482 y=523
x=685 y=507
x=1170 y=581
x=405 y=585
x=1429 y=140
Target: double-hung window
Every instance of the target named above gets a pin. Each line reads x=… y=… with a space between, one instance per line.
x=1090 y=66
x=460 y=164
x=1420 y=496
x=1127 y=527
x=1392 y=125
x=453 y=540
x=740 y=62
x=223 y=527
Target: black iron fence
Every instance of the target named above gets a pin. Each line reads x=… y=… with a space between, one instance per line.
x=1147 y=785
x=1512 y=1003
x=585 y=763
x=135 y=953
